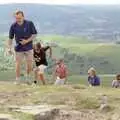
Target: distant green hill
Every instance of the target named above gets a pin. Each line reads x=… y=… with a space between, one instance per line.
x=79 y=54
x=83 y=53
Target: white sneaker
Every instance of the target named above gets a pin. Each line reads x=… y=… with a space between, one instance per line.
x=17 y=81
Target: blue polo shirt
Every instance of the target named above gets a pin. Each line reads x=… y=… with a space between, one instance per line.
x=20 y=32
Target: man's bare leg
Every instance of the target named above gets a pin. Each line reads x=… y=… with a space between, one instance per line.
x=29 y=67
x=29 y=64
x=29 y=70
x=18 y=64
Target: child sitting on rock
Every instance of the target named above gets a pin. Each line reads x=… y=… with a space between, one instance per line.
x=116 y=83
x=93 y=79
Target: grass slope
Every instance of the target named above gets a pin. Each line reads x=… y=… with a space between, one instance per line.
x=77 y=97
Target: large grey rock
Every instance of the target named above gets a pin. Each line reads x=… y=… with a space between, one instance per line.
x=78 y=115
x=45 y=112
x=47 y=115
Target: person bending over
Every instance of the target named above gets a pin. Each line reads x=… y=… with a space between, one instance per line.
x=40 y=61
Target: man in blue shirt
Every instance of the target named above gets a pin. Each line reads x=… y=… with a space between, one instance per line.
x=24 y=32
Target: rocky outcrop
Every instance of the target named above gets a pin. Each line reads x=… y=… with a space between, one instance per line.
x=58 y=113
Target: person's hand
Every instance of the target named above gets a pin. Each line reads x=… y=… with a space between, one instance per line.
x=24 y=42
x=10 y=52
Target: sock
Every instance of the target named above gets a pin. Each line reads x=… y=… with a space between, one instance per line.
x=27 y=77
x=17 y=78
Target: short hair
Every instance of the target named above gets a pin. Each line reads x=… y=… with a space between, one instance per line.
x=38 y=45
x=118 y=76
x=92 y=69
x=60 y=61
x=19 y=12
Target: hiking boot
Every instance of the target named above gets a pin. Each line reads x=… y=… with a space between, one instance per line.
x=28 y=80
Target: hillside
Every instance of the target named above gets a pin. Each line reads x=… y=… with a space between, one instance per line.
x=78 y=53
x=66 y=102
x=94 y=22
x=81 y=54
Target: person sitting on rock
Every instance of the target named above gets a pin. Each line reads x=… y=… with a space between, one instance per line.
x=60 y=73
x=93 y=79
x=116 y=83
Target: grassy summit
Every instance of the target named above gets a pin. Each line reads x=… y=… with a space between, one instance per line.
x=76 y=97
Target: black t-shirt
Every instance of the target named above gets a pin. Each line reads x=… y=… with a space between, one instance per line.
x=40 y=57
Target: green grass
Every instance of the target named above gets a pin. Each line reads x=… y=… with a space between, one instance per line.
x=63 y=39
x=7 y=76
x=89 y=49
x=75 y=96
x=106 y=80
x=79 y=95
x=97 y=51
x=74 y=79
x=83 y=47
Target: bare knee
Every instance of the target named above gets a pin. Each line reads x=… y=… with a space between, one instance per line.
x=18 y=63
x=29 y=65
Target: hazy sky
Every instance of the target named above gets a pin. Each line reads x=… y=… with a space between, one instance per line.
x=63 y=1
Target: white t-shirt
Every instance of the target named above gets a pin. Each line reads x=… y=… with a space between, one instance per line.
x=116 y=83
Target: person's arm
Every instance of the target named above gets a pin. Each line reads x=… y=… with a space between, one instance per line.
x=33 y=34
x=48 y=48
x=113 y=83
x=50 y=52
x=31 y=38
x=54 y=74
x=11 y=37
x=89 y=81
x=66 y=74
x=10 y=44
x=23 y=42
